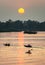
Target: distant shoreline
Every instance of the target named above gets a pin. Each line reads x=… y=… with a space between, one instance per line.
x=19 y=26
x=35 y=32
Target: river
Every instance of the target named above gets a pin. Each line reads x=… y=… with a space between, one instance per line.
x=15 y=54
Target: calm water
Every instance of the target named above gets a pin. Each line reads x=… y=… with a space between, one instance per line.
x=16 y=53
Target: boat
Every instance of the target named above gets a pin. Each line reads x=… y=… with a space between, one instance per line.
x=28 y=45
x=28 y=52
x=30 y=32
x=6 y=44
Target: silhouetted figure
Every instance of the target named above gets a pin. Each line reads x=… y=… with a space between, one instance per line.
x=28 y=52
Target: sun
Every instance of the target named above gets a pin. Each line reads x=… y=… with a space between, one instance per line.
x=21 y=10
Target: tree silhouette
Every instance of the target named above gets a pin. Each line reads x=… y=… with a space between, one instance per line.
x=16 y=26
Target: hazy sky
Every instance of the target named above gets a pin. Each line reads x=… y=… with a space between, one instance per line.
x=34 y=10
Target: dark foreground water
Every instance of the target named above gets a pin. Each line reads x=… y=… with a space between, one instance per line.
x=16 y=53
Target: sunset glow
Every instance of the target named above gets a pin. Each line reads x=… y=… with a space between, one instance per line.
x=20 y=38
x=21 y=10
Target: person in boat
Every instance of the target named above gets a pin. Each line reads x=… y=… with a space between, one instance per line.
x=28 y=52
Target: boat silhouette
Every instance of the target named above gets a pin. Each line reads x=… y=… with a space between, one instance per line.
x=6 y=44
x=28 y=52
x=28 y=45
x=30 y=32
